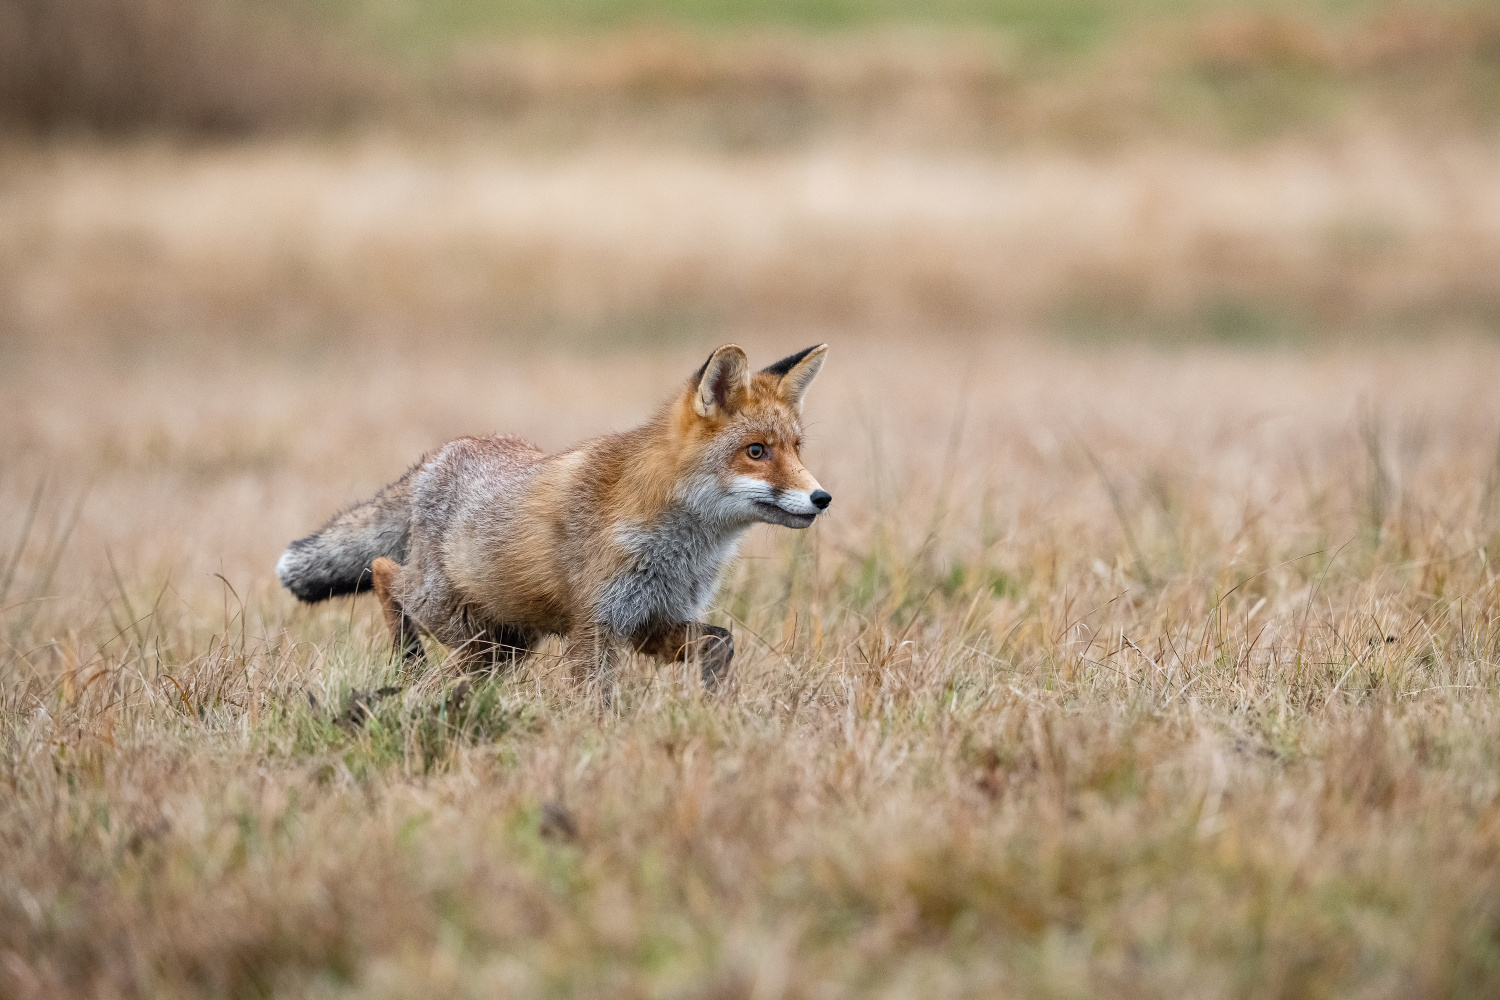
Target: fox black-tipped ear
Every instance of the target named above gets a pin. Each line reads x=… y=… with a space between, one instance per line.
x=797 y=372
x=722 y=382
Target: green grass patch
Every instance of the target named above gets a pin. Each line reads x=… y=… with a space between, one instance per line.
x=1050 y=26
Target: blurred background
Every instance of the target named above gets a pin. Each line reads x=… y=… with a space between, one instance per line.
x=257 y=257
x=635 y=172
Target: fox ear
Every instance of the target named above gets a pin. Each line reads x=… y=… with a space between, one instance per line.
x=796 y=373
x=722 y=382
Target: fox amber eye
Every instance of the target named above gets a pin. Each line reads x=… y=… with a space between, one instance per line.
x=756 y=451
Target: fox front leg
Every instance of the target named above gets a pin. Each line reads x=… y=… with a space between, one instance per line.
x=590 y=657
x=711 y=645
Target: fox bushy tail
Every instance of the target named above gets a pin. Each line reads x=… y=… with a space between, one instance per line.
x=336 y=558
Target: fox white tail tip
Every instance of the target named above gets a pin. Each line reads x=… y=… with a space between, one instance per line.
x=284 y=568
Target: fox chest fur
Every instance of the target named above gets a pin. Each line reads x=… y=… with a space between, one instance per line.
x=668 y=572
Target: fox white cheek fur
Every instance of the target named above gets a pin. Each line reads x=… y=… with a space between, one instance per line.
x=797 y=502
x=758 y=491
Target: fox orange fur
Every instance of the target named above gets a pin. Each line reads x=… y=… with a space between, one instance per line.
x=488 y=545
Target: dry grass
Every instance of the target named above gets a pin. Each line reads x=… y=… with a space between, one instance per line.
x=1116 y=672
x=1281 y=244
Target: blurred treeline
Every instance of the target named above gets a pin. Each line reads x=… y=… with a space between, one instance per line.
x=745 y=72
x=184 y=66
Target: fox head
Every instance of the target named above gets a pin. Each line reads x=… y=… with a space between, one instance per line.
x=743 y=438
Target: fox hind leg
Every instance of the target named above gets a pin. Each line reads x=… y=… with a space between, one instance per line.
x=405 y=636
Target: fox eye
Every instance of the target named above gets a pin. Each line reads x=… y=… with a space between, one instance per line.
x=756 y=451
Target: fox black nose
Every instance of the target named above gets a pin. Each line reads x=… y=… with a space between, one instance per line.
x=821 y=499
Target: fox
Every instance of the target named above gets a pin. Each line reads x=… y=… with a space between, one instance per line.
x=488 y=545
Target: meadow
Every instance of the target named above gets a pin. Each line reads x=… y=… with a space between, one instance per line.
x=1115 y=670
x=1149 y=648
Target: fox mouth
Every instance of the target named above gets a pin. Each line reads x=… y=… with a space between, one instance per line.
x=776 y=514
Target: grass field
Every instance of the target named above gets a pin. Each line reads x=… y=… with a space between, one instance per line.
x=1114 y=671
x=1368 y=239
x=1150 y=647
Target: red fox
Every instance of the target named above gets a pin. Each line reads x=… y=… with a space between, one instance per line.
x=488 y=545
